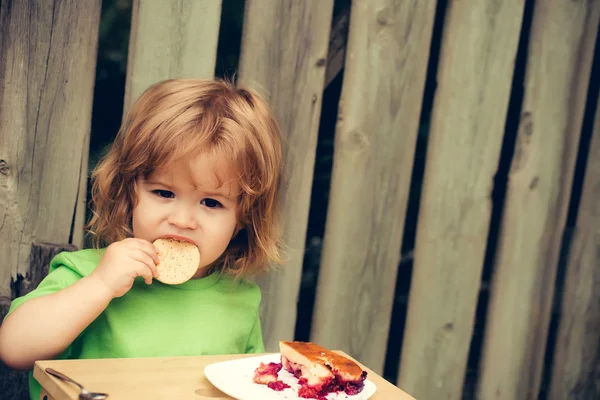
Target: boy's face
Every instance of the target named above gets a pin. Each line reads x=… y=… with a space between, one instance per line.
x=188 y=201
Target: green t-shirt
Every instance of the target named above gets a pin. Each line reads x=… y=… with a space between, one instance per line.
x=212 y=315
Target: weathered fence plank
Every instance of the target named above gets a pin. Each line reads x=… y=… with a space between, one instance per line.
x=576 y=363
x=378 y=121
x=479 y=45
x=171 y=39
x=47 y=67
x=558 y=69
x=284 y=51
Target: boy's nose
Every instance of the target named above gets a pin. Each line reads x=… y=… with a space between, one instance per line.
x=183 y=218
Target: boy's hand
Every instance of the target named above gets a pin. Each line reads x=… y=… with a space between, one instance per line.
x=124 y=261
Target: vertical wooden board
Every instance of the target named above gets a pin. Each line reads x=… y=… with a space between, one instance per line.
x=576 y=362
x=476 y=66
x=284 y=48
x=560 y=55
x=171 y=39
x=378 y=121
x=47 y=67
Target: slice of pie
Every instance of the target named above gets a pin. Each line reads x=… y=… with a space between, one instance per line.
x=321 y=371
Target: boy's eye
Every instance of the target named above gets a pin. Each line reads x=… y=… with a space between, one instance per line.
x=210 y=203
x=164 y=193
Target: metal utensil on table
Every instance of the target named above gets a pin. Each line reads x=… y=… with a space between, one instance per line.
x=84 y=394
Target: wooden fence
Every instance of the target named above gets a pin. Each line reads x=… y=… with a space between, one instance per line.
x=485 y=113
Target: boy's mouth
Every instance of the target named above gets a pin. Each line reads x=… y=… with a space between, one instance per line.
x=180 y=238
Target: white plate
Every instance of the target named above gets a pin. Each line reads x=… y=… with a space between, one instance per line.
x=234 y=378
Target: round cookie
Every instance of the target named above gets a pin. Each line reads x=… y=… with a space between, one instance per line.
x=178 y=260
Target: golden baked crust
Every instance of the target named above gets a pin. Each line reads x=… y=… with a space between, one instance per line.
x=336 y=362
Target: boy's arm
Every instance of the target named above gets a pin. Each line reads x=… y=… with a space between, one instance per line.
x=43 y=327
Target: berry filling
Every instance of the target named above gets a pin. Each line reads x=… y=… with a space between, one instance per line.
x=278 y=386
x=321 y=387
x=266 y=373
x=318 y=387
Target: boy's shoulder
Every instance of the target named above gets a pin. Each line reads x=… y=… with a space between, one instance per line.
x=65 y=268
x=82 y=262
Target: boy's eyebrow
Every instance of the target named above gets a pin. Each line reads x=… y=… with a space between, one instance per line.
x=152 y=181
x=220 y=193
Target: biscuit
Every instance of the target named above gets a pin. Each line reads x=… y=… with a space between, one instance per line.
x=178 y=260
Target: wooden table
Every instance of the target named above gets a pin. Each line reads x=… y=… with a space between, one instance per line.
x=156 y=378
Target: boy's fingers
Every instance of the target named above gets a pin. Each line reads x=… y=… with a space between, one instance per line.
x=148 y=264
x=145 y=272
x=149 y=249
